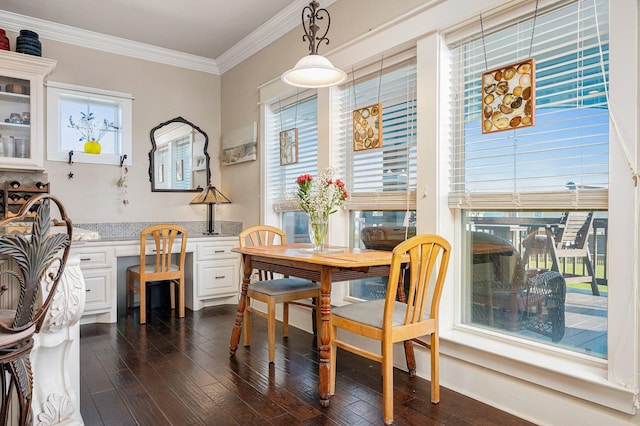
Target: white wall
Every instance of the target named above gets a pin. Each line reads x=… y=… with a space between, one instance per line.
x=161 y=92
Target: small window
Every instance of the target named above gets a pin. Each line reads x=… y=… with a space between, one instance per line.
x=93 y=124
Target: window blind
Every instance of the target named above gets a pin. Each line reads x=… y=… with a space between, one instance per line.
x=562 y=161
x=301 y=112
x=382 y=178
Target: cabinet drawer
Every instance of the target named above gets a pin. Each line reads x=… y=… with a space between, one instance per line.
x=97 y=289
x=217 y=278
x=94 y=257
x=208 y=251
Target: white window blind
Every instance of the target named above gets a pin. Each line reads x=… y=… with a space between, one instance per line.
x=382 y=178
x=562 y=161
x=301 y=112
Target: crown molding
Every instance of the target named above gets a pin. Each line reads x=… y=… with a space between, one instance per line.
x=276 y=27
x=93 y=40
x=267 y=33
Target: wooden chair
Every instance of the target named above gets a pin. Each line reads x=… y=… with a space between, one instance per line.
x=389 y=321
x=271 y=291
x=39 y=259
x=163 y=269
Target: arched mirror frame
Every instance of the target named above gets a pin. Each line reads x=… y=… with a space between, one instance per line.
x=153 y=151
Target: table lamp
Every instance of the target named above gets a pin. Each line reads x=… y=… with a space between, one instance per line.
x=210 y=196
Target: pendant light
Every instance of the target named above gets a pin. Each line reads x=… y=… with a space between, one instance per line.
x=314 y=70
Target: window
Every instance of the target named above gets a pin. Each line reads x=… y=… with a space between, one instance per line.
x=95 y=124
x=381 y=181
x=520 y=190
x=299 y=112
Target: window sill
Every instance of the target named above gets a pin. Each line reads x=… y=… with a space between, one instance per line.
x=556 y=369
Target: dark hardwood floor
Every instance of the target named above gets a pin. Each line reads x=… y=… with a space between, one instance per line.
x=178 y=372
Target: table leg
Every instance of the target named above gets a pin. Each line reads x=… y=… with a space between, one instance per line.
x=237 y=326
x=325 y=334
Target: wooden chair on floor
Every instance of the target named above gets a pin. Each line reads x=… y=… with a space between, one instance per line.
x=39 y=259
x=163 y=269
x=271 y=291
x=389 y=321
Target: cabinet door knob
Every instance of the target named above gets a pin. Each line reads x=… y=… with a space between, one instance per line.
x=85 y=259
x=219 y=251
x=220 y=277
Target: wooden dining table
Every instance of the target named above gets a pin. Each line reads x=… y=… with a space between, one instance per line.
x=331 y=265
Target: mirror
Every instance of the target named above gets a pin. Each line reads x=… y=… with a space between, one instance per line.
x=178 y=160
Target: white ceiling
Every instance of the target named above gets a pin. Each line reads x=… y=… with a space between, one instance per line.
x=205 y=28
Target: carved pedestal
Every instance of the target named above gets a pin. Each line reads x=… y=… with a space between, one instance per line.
x=56 y=354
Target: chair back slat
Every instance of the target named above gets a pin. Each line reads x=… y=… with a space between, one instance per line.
x=426 y=254
x=262 y=235
x=164 y=237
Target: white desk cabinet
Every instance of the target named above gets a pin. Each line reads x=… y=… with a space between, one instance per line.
x=212 y=274
x=217 y=272
x=97 y=264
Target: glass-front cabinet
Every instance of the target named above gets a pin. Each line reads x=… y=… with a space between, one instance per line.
x=22 y=110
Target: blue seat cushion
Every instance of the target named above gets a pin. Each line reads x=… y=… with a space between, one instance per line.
x=283 y=286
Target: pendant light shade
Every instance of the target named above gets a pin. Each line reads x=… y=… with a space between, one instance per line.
x=314 y=70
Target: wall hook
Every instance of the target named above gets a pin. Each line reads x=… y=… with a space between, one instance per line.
x=122 y=158
x=70 y=157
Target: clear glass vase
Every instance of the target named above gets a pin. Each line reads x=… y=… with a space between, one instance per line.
x=317 y=232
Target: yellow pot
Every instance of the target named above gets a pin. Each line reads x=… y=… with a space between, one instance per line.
x=92 y=147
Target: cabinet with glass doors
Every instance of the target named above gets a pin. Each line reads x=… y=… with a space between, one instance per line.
x=22 y=110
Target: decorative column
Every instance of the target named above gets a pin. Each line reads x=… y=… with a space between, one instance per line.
x=56 y=353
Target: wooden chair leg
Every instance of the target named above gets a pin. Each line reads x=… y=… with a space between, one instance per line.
x=172 y=294
x=285 y=320
x=435 y=368
x=143 y=302
x=387 y=381
x=247 y=323
x=271 y=329
x=181 y=298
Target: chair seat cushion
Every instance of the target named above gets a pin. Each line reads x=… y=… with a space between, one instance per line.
x=151 y=267
x=10 y=339
x=283 y=286
x=371 y=312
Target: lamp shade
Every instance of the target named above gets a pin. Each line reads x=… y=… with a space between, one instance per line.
x=210 y=195
x=314 y=71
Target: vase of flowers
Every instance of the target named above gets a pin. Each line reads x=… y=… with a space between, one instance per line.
x=91 y=131
x=319 y=198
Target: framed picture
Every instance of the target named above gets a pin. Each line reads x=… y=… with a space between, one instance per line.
x=508 y=97
x=240 y=145
x=367 y=127
x=199 y=162
x=289 y=146
x=179 y=170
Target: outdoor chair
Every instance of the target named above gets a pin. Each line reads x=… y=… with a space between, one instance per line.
x=507 y=296
x=564 y=244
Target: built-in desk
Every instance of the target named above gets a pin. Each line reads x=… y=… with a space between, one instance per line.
x=211 y=273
